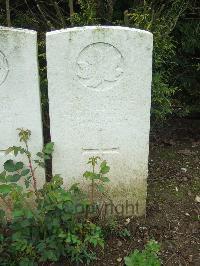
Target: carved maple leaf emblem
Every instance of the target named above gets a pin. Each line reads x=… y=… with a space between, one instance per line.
x=99 y=63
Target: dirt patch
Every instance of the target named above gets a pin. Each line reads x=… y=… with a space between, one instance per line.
x=173 y=214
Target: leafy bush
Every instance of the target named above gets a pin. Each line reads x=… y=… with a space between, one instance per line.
x=160 y=20
x=87 y=14
x=187 y=69
x=148 y=257
x=44 y=225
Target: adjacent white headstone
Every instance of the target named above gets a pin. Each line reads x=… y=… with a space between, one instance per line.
x=100 y=96
x=19 y=91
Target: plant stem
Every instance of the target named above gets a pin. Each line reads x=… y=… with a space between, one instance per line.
x=31 y=167
x=92 y=194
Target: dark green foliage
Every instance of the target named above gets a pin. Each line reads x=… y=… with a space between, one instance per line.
x=87 y=14
x=48 y=224
x=47 y=227
x=187 y=72
x=160 y=20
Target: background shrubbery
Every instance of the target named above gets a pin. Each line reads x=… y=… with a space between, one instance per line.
x=174 y=23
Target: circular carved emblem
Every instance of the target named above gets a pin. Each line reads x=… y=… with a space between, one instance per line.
x=3 y=68
x=99 y=66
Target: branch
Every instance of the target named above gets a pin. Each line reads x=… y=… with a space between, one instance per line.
x=58 y=11
x=71 y=8
x=8 y=13
x=31 y=168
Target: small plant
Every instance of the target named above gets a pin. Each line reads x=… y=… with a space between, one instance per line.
x=43 y=225
x=97 y=179
x=124 y=233
x=113 y=227
x=147 y=257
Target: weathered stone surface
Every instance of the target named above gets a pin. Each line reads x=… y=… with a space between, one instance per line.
x=100 y=93
x=19 y=91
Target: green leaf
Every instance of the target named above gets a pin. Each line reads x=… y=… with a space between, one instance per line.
x=18 y=213
x=104 y=168
x=27 y=183
x=47 y=157
x=40 y=154
x=19 y=166
x=15 y=150
x=13 y=178
x=88 y=175
x=49 y=148
x=105 y=179
x=5 y=189
x=101 y=188
x=91 y=175
x=9 y=166
x=22 y=151
x=25 y=172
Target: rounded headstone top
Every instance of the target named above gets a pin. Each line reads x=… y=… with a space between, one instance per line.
x=16 y=30
x=92 y=28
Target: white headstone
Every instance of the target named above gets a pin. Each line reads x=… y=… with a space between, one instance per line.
x=100 y=96
x=19 y=91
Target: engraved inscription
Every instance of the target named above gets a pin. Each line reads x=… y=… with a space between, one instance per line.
x=99 y=66
x=4 y=69
x=101 y=151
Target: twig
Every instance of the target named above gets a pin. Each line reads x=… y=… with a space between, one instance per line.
x=62 y=19
x=43 y=15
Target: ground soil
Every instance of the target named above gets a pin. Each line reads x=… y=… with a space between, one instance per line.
x=173 y=210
